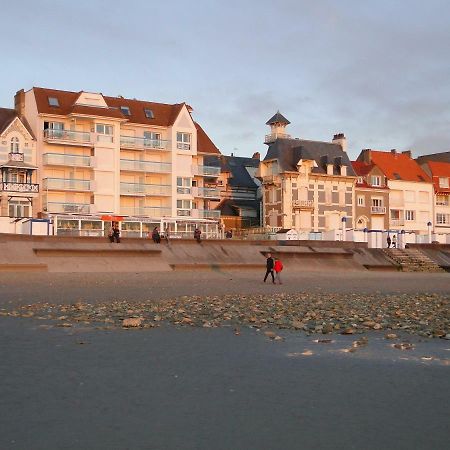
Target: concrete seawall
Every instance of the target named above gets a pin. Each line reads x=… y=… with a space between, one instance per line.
x=87 y=254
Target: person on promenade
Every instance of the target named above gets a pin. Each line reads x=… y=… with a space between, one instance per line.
x=269 y=268
x=197 y=235
x=167 y=234
x=388 y=241
x=155 y=236
x=116 y=233
x=278 y=267
x=394 y=242
x=111 y=234
x=229 y=234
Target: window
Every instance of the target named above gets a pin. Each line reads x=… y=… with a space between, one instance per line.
x=149 y=113
x=152 y=139
x=360 y=180
x=443 y=182
x=360 y=200
x=442 y=219
x=409 y=215
x=442 y=200
x=184 y=141
x=125 y=110
x=14 y=145
x=53 y=101
x=183 y=207
x=19 y=208
x=375 y=180
x=328 y=196
x=377 y=202
x=101 y=128
x=395 y=214
x=183 y=185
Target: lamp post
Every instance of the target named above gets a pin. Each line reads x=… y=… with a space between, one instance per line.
x=429 y=224
x=344 y=220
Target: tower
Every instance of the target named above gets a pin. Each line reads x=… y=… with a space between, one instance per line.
x=277 y=125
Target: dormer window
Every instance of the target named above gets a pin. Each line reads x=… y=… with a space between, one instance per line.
x=149 y=113
x=125 y=110
x=360 y=180
x=53 y=101
x=375 y=180
x=443 y=182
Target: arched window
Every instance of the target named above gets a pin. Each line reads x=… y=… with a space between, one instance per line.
x=15 y=145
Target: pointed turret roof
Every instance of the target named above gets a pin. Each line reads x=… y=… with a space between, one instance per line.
x=278 y=118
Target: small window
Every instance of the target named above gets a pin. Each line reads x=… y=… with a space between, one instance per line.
x=443 y=182
x=53 y=101
x=149 y=113
x=104 y=129
x=361 y=201
x=125 y=110
x=378 y=202
x=375 y=180
x=409 y=215
x=397 y=176
x=360 y=180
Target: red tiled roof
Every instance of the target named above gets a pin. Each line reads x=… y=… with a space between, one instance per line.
x=361 y=168
x=398 y=166
x=204 y=143
x=8 y=115
x=438 y=170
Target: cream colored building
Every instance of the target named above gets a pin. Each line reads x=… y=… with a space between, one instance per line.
x=99 y=155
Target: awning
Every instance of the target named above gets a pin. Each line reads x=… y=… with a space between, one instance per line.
x=112 y=218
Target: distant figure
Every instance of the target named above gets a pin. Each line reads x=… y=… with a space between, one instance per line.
x=229 y=234
x=116 y=233
x=269 y=267
x=278 y=267
x=167 y=234
x=111 y=234
x=197 y=235
x=388 y=240
x=394 y=241
x=155 y=236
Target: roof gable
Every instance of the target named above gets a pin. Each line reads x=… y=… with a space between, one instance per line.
x=9 y=119
x=204 y=143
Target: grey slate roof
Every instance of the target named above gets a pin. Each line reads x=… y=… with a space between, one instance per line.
x=437 y=157
x=278 y=118
x=289 y=151
x=230 y=207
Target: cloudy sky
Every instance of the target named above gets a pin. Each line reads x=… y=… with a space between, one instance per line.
x=377 y=70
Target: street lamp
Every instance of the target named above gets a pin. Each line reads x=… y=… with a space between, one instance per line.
x=344 y=220
x=429 y=224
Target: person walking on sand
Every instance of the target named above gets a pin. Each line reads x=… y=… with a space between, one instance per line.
x=278 y=267
x=269 y=267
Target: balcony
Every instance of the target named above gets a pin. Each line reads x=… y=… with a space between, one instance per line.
x=303 y=204
x=147 y=211
x=140 y=189
x=206 y=171
x=183 y=146
x=145 y=166
x=68 y=137
x=269 y=179
x=203 y=192
x=378 y=210
x=66 y=184
x=59 y=159
x=70 y=208
x=10 y=186
x=206 y=213
x=183 y=190
x=183 y=212
x=138 y=143
x=18 y=157
x=273 y=137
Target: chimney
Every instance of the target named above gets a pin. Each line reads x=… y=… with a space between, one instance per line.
x=407 y=153
x=19 y=102
x=340 y=139
x=257 y=156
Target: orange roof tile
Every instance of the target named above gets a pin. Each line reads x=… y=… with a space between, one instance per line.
x=204 y=143
x=439 y=170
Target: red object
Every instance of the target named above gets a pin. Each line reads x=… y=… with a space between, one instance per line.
x=278 y=267
x=112 y=218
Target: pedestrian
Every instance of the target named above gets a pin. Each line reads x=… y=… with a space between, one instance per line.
x=116 y=233
x=394 y=241
x=197 y=234
x=229 y=234
x=111 y=234
x=166 y=234
x=155 y=236
x=388 y=240
x=278 y=267
x=269 y=267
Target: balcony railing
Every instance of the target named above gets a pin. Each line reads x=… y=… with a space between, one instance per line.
x=274 y=136
x=59 y=159
x=145 y=166
x=9 y=186
x=203 y=192
x=183 y=212
x=144 y=189
x=183 y=146
x=183 y=190
x=269 y=179
x=206 y=213
x=72 y=208
x=147 y=211
x=143 y=143
x=206 y=171
x=397 y=222
x=66 y=184
x=303 y=204
x=18 y=157
x=74 y=137
x=378 y=210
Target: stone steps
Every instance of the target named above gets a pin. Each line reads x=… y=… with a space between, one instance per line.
x=412 y=260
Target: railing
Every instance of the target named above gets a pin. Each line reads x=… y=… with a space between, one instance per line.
x=378 y=210
x=183 y=146
x=143 y=143
x=145 y=166
x=77 y=137
x=144 y=189
x=18 y=157
x=7 y=186
x=183 y=190
x=183 y=212
x=269 y=179
x=396 y=222
x=107 y=138
x=59 y=159
x=66 y=184
x=303 y=204
x=73 y=208
x=147 y=211
x=206 y=171
x=274 y=136
x=203 y=192
x=442 y=201
x=206 y=213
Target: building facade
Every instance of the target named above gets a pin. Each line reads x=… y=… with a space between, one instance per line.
x=307 y=185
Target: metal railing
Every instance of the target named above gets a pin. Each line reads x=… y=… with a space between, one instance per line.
x=79 y=137
x=183 y=146
x=378 y=210
x=183 y=190
x=9 y=186
x=143 y=143
x=60 y=159
x=206 y=213
x=145 y=166
x=204 y=192
x=66 y=184
x=72 y=208
x=206 y=171
x=144 y=189
x=147 y=211
x=274 y=136
x=303 y=203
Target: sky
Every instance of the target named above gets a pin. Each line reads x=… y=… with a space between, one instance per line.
x=376 y=70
